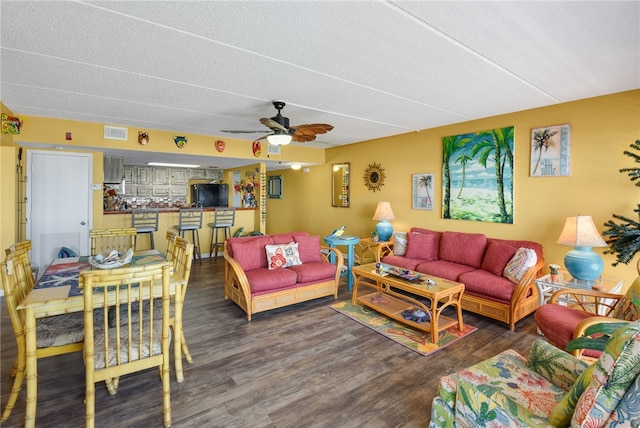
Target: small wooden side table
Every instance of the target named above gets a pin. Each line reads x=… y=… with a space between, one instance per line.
x=369 y=249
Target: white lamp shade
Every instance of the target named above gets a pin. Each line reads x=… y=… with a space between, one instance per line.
x=579 y=231
x=384 y=212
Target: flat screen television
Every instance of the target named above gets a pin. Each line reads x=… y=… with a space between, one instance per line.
x=210 y=195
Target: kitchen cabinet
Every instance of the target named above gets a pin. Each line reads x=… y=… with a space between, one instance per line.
x=160 y=190
x=144 y=175
x=213 y=174
x=129 y=175
x=143 y=190
x=196 y=173
x=179 y=176
x=160 y=176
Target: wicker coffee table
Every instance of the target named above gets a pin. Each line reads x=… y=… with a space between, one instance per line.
x=385 y=293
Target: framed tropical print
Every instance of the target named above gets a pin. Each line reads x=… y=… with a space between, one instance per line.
x=422 y=192
x=550 y=151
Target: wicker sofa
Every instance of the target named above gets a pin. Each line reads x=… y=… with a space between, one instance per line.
x=478 y=262
x=298 y=269
x=550 y=388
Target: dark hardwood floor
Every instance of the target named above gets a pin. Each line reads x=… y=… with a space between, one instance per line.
x=301 y=366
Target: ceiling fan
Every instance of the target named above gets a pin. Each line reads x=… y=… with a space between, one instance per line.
x=282 y=133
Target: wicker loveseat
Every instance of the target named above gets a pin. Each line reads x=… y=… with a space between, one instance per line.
x=480 y=263
x=299 y=269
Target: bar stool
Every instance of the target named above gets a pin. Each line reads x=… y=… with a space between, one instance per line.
x=223 y=219
x=145 y=221
x=191 y=220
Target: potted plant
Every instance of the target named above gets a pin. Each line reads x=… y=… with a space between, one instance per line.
x=555 y=273
x=624 y=238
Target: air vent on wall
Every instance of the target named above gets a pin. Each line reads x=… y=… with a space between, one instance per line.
x=273 y=149
x=115 y=133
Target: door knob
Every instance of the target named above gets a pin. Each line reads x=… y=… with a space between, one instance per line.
x=83 y=223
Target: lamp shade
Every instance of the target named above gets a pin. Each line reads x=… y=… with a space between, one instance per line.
x=581 y=262
x=579 y=231
x=279 y=138
x=384 y=213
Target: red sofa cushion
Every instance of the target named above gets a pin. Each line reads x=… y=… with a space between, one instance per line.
x=436 y=243
x=249 y=252
x=314 y=271
x=496 y=257
x=421 y=246
x=309 y=248
x=263 y=279
x=464 y=248
x=483 y=283
x=402 y=261
x=285 y=238
x=444 y=269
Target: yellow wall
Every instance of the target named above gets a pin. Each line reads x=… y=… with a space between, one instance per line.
x=601 y=129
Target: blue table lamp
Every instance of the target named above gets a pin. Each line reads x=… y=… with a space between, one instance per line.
x=383 y=215
x=581 y=262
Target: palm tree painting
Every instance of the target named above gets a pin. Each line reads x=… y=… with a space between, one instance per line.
x=423 y=191
x=550 y=151
x=480 y=166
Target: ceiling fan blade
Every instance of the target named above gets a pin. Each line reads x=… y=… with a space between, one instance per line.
x=305 y=133
x=269 y=123
x=236 y=131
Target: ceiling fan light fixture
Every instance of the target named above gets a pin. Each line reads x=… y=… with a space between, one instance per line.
x=279 y=139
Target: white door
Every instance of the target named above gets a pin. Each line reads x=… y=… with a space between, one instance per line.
x=59 y=204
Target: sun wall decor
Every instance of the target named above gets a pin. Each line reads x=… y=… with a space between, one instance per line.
x=374 y=176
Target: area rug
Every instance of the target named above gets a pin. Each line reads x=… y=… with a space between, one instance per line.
x=401 y=333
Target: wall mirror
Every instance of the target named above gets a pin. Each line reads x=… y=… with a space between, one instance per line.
x=340 y=185
x=275 y=186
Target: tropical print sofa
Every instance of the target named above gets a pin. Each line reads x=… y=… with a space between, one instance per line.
x=549 y=388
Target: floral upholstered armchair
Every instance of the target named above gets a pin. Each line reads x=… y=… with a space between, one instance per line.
x=549 y=388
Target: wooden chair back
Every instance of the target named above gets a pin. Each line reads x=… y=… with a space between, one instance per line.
x=139 y=338
x=171 y=236
x=182 y=258
x=112 y=239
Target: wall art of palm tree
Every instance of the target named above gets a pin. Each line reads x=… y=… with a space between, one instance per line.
x=477 y=176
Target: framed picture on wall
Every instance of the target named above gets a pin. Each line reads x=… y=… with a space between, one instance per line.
x=550 y=151
x=422 y=192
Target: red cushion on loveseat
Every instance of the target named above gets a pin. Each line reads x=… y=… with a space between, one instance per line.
x=436 y=242
x=264 y=280
x=483 y=283
x=421 y=246
x=309 y=248
x=249 y=252
x=309 y=272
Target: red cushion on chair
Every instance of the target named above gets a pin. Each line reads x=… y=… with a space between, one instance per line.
x=558 y=322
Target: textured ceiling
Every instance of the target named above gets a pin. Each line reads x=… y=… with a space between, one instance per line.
x=370 y=68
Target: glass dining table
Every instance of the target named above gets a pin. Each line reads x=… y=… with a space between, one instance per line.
x=58 y=292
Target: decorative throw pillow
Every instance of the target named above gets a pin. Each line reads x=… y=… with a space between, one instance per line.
x=283 y=255
x=399 y=243
x=562 y=413
x=523 y=259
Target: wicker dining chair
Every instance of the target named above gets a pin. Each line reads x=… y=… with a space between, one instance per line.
x=112 y=239
x=182 y=258
x=171 y=237
x=139 y=340
x=57 y=335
